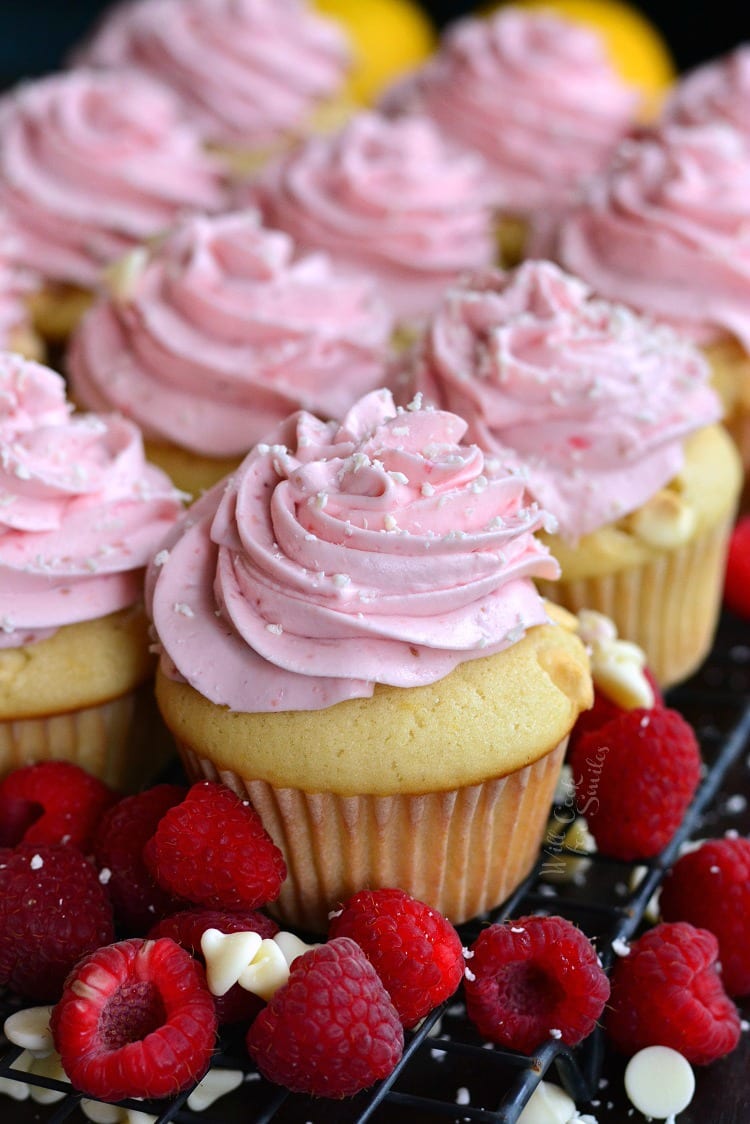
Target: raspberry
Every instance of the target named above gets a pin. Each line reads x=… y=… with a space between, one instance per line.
x=667 y=992
x=603 y=711
x=710 y=888
x=53 y=910
x=51 y=802
x=635 y=778
x=414 y=949
x=213 y=850
x=737 y=579
x=528 y=978
x=118 y=847
x=135 y=1020
x=331 y=1030
x=187 y=928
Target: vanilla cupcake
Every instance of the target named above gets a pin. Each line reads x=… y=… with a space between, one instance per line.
x=666 y=230
x=217 y=333
x=91 y=164
x=16 y=332
x=350 y=637
x=611 y=423
x=536 y=96
x=388 y=198
x=81 y=515
x=254 y=76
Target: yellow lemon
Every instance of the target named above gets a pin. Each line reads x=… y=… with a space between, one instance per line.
x=389 y=37
x=635 y=45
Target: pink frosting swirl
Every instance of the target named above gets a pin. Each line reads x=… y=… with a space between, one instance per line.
x=591 y=399
x=91 y=163
x=226 y=331
x=534 y=93
x=248 y=71
x=81 y=512
x=719 y=91
x=667 y=230
x=380 y=550
x=388 y=198
x=15 y=284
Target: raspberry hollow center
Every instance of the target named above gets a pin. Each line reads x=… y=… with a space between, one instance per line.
x=134 y=1011
x=529 y=990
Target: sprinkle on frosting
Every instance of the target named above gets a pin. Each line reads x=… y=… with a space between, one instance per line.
x=282 y=614
x=542 y=342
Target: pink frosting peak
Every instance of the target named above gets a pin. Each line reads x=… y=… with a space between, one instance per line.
x=247 y=71
x=593 y=401
x=389 y=198
x=532 y=92
x=15 y=284
x=225 y=331
x=81 y=512
x=378 y=550
x=667 y=230
x=91 y=163
x=719 y=91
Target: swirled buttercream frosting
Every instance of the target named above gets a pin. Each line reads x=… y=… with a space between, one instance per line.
x=247 y=71
x=666 y=230
x=219 y=332
x=718 y=91
x=380 y=549
x=592 y=400
x=389 y=198
x=533 y=93
x=92 y=163
x=81 y=512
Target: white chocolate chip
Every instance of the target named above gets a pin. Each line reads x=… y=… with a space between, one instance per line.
x=50 y=1067
x=549 y=1104
x=121 y=278
x=560 y=868
x=30 y=1030
x=659 y=1082
x=227 y=955
x=101 y=1113
x=617 y=666
x=217 y=1083
x=665 y=521
x=267 y=972
x=18 y=1090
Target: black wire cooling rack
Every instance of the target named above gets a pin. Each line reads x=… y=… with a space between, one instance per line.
x=447 y=1071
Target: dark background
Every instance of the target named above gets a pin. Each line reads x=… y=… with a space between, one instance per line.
x=35 y=34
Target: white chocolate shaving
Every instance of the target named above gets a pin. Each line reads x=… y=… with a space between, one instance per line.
x=617 y=666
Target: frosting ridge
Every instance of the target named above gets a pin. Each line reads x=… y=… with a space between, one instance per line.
x=377 y=550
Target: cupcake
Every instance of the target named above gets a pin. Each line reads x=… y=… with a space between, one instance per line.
x=81 y=514
x=16 y=332
x=91 y=164
x=536 y=96
x=666 y=230
x=717 y=92
x=254 y=76
x=388 y=198
x=350 y=637
x=611 y=423
x=217 y=333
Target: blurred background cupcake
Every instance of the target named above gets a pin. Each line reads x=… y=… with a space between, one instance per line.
x=666 y=230
x=351 y=637
x=91 y=164
x=536 y=95
x=218 y=332
x=610 y=422
x=82 y=513
x=387 y=198
x=254 y=76
x=16 y=283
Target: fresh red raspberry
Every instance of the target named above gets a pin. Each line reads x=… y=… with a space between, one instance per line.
x=118 y=845
x=135 y=1020
x=603 y=711
x=414 y=949
x=331 y=1030
x=530 y=978
x=635 y=778
x=667 y=992
x=53 y=910
x=187 y=928
x=212 y=849
x=737 y=579
x=51 y=802
x=710 y=888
